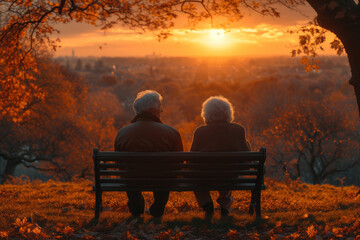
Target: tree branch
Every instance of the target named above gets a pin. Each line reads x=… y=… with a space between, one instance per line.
x=335 y=170
x=61 y=6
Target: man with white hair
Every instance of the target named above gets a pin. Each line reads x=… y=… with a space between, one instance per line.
x=219 y=134
x=147 y=133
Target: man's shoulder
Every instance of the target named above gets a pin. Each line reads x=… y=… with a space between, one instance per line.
x=126 y=127
x=170 y=128
x=148 y=124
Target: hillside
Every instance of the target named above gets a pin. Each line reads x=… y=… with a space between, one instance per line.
x=292 y=210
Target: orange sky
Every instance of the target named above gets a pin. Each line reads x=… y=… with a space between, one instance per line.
x=253 y=36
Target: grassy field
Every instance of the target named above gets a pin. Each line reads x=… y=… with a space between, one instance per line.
x=292 y=210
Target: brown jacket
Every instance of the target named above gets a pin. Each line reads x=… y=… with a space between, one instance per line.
x=220 y=137
x=148 y=134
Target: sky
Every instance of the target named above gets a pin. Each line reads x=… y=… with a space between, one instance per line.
x=254 y=35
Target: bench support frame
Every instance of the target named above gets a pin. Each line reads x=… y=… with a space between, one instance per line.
x=255 y=203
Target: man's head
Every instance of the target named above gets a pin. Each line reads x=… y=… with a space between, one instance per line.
x=217 y=109
x=148 y=101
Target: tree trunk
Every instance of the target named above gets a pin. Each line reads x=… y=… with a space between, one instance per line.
x=3 y=163
x=343 y=19
x=9 y=169
x=352 y=46
x=317 y=180
x=350 y=37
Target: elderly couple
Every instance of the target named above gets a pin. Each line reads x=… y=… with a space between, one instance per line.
x=147 y=133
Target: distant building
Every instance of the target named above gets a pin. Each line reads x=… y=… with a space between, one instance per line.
x=79 y=65
x=67 y=64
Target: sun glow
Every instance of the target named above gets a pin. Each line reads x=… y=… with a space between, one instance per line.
x=216 y=34
x=217 y=38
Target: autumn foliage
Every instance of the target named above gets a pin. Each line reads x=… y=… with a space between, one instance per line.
x=314 y=141
x=310 y=131
x=59 y=129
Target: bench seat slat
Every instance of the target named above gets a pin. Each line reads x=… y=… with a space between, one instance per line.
x=175 y=155
x=154 y=181
x=179 y=159
x=179 y=187
x=179 y=166
x=185 y=173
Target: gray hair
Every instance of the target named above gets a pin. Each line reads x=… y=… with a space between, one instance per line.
x=146 y=101
x=217 y=109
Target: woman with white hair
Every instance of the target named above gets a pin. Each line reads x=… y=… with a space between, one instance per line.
x=219 y=134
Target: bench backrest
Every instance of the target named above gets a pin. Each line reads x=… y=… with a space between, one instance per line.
x=178 y=171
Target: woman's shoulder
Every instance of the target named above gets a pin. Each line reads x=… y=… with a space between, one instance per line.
x=233 y=126
x=200 y=129
x=237 y=126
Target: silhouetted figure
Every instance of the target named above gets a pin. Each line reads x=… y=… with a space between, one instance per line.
x=147 y=133
x=218 y=134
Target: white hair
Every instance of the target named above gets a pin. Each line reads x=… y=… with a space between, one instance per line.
x=217 y=109
x=146 y=101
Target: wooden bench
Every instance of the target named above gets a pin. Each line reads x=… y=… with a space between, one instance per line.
x=180 y=171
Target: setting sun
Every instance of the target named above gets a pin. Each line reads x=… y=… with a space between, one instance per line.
x=216 y=34
x=217 y=37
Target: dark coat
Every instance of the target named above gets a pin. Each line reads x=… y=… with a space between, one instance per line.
x=147 y=134
x=220 y=137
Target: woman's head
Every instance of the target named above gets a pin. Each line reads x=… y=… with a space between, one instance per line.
x=217 y=109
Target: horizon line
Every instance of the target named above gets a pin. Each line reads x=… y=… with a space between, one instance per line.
x=211 y=56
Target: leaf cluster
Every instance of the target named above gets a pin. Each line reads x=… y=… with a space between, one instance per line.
x=311 y=40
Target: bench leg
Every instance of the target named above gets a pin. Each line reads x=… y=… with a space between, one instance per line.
x=258 y=203
x=252 y=203
x=101 y=206
x=98 y=204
